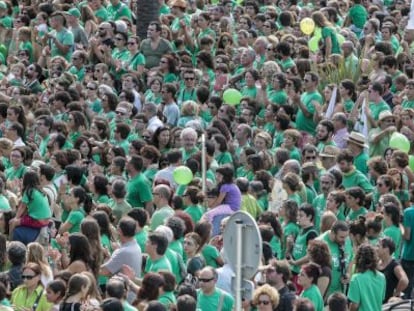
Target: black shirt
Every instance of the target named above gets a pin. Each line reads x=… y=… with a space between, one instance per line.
x=286 y=299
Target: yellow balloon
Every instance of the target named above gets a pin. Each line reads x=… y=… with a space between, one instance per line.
x=307 y=25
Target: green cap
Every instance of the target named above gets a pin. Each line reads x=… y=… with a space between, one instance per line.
x=6 y=21
x=74 y=12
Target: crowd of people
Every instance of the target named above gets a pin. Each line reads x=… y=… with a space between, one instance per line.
x=299 y=113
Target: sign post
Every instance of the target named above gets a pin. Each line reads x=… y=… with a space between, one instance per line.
x=243 y=249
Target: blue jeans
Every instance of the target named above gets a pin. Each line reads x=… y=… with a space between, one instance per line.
x=408 y=266
x=25 y=235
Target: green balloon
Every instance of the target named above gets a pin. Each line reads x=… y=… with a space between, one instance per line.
x=182 y=175
x=411 y=162
x=400 y=142
x=232 y=97
x=314 y=44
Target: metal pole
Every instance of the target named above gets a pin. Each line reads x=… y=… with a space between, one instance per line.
x=239 y=252
x=203 y=162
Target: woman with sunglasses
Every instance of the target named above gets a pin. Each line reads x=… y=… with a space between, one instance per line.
x=136 y=61
x=266 y=298
x=31 y=295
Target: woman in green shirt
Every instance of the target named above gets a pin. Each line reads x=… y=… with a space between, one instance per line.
x=34 y=210
x=17 y=168
x=193 y=198
x=329 y=38
x=348 y=95
x=308 y=277
x=77 y=124
x=289 y=216
x=250 y=89
x=222 y=155
x=168 y=69
x=210 y=253
x=136 y=61
x=98 y=185
x=153 y=94
x=392 y=229
x=80 y=205
x=270 y=219
x=203 y=22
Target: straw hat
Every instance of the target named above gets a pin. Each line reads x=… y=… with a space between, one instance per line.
x=357 y=139
x=330 y=152
x=178 y=3
x=385 y=115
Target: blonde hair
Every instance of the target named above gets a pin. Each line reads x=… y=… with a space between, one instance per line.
x=268 y=290
x=189 y=108
x=36 y=253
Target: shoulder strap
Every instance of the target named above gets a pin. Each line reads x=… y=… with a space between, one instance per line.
x=221 y=300
x=36 y=303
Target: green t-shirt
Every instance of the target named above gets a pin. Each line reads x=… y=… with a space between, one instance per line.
x=115 y=12
x=376 y=109
x=160 y=215
x=12 y=173
x=37 y=204
x=195 y=212
x=300 y=246
x=406 y=104
x=102 y=14
x=141 y=238
x=356 y=178
x=278 y=97
x=75 y=219
x=313 y=294
x=210 y=254
x=335 y=284
x=167 y=299
x=353 y=215
x=135 y=60
x=361 y=161
x=304 y=123
x=367 y=289
x=157 y=265
x=395 y=234
x=408 y=245
x=328 y=32
x=211 y=302
x=65 y=37
x=138 y=191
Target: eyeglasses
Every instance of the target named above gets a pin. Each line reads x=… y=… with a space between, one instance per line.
x=205 y=280
x=263 y=302
x=188 y=79
x=28 y=277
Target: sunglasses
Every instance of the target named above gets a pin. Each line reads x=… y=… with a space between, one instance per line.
x=311 y=158
x=188 y=79
x=28 y=277
x=205 y=280
x=263 y=302
x=131 y=43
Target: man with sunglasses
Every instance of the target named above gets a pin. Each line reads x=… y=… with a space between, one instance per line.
x=209 y=297
x=188 y=90
x=379 y=137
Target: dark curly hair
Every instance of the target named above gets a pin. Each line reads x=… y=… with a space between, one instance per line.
x=319 y=253
x=366 y=258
